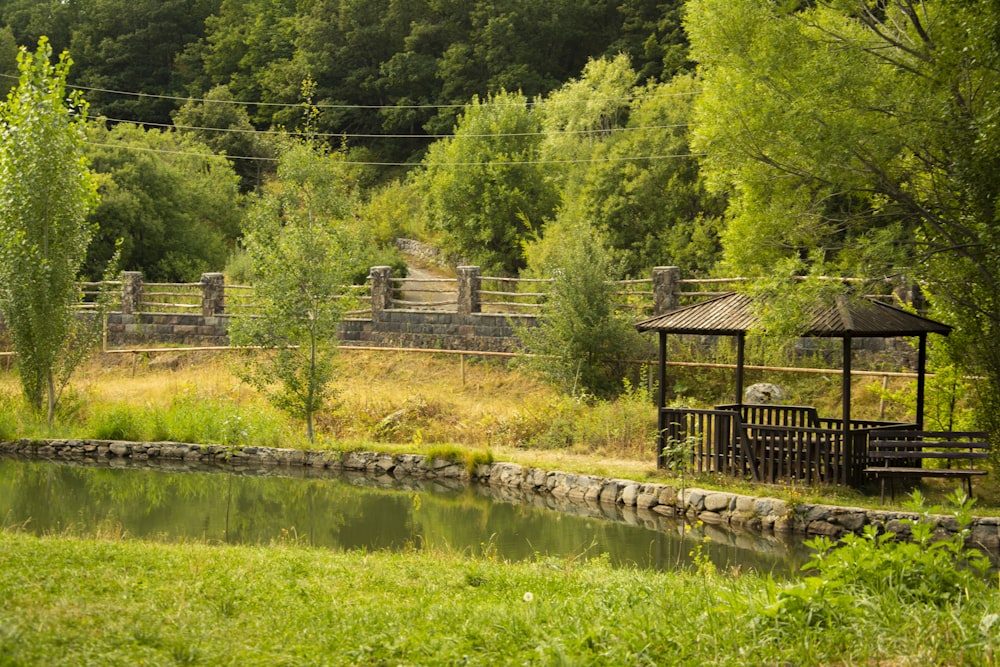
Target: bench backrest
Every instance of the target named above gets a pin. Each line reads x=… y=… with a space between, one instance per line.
x=891 y=446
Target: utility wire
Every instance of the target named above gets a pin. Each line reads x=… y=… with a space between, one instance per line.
x=357 y=135
x=288 y=105
x=144 y=149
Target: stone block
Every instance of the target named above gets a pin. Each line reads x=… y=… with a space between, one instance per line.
x=719 y=502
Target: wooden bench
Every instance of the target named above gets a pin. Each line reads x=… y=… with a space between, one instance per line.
x=901 y=453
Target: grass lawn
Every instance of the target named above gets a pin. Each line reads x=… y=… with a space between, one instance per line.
x=69 y=601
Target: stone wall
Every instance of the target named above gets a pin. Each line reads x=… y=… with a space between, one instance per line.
x=648 y=503
x=176 y=328
x=484 y=332
x=435 y=330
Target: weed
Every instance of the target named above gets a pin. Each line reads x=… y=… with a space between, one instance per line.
x=925 y=570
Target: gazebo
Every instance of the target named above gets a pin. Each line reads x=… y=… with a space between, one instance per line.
x=772 y=442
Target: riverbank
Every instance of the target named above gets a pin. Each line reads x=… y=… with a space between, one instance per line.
x=730 y=511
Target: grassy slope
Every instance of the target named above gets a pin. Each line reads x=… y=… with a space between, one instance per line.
x=437 y=401
x=72 y=601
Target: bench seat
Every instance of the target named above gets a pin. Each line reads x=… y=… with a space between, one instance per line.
x=901 y=453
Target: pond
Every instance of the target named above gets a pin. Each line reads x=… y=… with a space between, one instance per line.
x=347 y=512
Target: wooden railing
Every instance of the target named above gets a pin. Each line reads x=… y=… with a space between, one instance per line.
x=469 y=292
x=769 y=443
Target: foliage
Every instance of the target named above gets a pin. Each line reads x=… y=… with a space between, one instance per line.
x=624 y=427
x=302 y=255
x=46 y=191
x=924 y=570
x=136 y=46
x=581 y=342
x=859 y=140
x=948 y=393
x=627 y=166
x=484 y=187
x=173 y=202
x=226 y=129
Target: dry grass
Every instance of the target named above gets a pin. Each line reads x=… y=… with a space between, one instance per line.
x=413 y=402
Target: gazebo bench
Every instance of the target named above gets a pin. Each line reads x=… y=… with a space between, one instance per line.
x=901 y=453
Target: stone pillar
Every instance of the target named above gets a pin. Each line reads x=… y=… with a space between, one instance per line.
x=666 y=289
x=213 y=294
x=131 y=292
x=911 y=294
x=468 y=289
x=381 y=277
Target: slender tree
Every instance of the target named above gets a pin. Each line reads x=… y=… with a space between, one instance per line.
x=301 y=256
x=46 y=191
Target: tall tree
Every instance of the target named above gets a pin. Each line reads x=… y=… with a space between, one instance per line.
x=133 y=46
x=302 y=256
x=862 y=137
x=46 y=191
x=485 y=187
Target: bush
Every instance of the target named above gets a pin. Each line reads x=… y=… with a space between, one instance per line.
x=582 y=343
x=923 y=571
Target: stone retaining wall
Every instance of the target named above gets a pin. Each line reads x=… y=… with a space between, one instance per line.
x=485 y=332
x=714 y=508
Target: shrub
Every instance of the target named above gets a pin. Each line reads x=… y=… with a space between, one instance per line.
x=924 y=570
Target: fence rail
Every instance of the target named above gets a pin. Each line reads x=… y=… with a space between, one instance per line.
x=468 y=292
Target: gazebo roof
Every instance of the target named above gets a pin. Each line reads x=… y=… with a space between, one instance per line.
x=732 y=314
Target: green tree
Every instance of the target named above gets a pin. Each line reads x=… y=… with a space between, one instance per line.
x=861 y=138
x=172 y=202
x=46 y=191
x=583 y=343
x=302 y=254
x=226 y=129
x=485 y=187
x=627 y=166
x=133 y=45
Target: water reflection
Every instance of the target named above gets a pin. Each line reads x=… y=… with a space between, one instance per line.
x=175 y=502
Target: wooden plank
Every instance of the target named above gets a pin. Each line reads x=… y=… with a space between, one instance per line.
x=923 y=454
x=926 y=472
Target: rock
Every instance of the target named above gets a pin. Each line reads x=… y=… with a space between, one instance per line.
x=119 y=448
x=710 y=517
x=165 y=362
x=764 y=392
x=718 y=502
x=629 y=493
x=824 y=528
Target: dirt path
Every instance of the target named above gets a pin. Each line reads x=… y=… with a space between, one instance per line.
x=431 y=291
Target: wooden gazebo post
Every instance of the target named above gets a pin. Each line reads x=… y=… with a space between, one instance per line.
x=661 y=399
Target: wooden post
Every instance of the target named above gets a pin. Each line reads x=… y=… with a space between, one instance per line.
x=661 y=400
x=921 y=379
x=741 y=342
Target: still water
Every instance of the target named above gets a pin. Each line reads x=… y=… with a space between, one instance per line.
x=347 y=512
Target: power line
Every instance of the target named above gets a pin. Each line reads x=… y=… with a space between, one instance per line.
x=358 y=135
x=298 y=105
x=373 y=163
